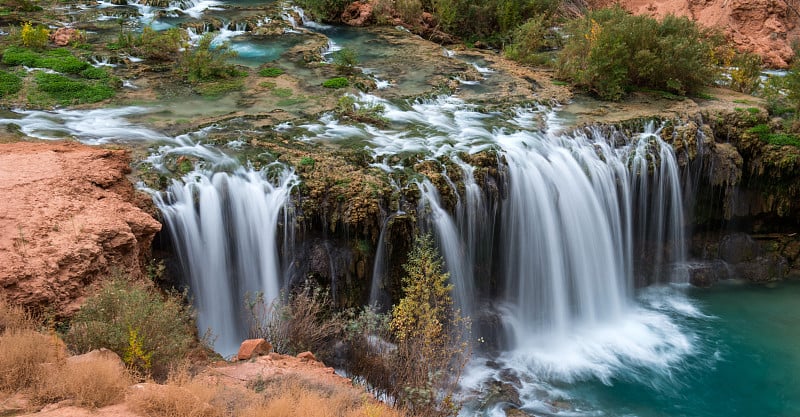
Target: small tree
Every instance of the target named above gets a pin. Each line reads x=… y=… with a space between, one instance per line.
x=431 y=347
x=345 y=60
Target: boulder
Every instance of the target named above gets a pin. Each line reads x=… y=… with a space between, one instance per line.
x=307 y=356
x=357 y=14
x=101 y=354
x=65 y=36
x=738 y=247
x=253 y=347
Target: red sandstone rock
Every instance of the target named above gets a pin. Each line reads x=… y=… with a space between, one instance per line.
x=64 y=36
x=357 y=14
x=69 y=218
x=765 y=27
x=307 y=356
x=253 y=347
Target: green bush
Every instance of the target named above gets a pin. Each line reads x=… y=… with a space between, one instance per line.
x=324 y=10
x=136 y=322
x=60 y=60
x=207 y=63
x=10 y=84
x=746 y=73
x=155 y=45
x=337 y=82
x=270 y=72
x=67 y=91
x=532 y=38
x=492 y=21
x=34 y=37
x=610 y=52
x=345 y=60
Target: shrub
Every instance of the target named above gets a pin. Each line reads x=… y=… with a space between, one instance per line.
x=14 y=318
x=345 y=60
x=337 y=82
x=270 y=72
x=530 y=39
x=431 y=351
x=34 y=37
x=154 y=45
x=207 y=63
x=67 y=91
x=22 y=353
x=610 y=52
x=293 y=396
x=325 y=10
x=92 y=383
x=134 y=318
x=174 y=400
x=490 y=20
x=303 y=322
x=746 y=73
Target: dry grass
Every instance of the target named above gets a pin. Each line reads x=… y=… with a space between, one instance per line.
x=14 y=317
x=182 y=396
x=22 y=355
x=92 y=383
x=297 y=397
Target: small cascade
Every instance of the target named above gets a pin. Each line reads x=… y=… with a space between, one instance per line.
x=456 y=255
x=224 y=228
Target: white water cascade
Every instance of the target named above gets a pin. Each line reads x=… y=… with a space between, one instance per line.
x=577 y=222
x=224 y=228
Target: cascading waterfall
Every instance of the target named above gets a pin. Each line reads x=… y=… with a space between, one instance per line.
x=580 y=218
x=453 y=250
x=224 y=228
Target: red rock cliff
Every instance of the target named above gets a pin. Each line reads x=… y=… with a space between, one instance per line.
x=766 y=27
x=68 y=217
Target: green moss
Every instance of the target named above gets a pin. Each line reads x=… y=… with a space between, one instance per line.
x=217 y=88
x=60 y=60
x=270 y=72
x=307 y=161
x=282 y=92
x=93 y=73
x=780 y=139
x=66 y=91
x=9 y=84
x=337 y=82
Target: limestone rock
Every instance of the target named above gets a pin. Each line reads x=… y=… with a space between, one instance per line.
x=101 y=354
x=253 y=347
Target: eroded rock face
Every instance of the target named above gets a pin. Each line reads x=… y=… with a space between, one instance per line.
x=766 y=27
x=68 y=218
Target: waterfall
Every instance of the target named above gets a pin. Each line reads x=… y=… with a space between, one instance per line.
x=224 y=228
x=457 y=261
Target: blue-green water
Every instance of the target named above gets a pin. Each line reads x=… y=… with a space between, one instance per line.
x=746 y=361
x=729 y=351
